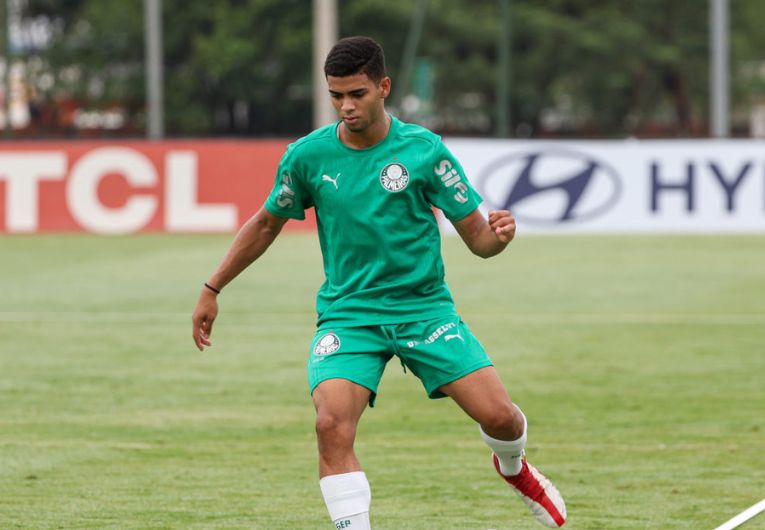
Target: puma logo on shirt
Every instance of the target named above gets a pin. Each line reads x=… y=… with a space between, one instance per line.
x=330 y=179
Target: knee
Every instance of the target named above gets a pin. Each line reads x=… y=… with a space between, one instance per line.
x=505 y=420
x=334 y=428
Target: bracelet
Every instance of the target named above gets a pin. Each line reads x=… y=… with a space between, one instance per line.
x=213 y=289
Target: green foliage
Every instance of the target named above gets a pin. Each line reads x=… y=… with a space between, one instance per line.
x=97 y=50
x=747 y=45
x=600 y=68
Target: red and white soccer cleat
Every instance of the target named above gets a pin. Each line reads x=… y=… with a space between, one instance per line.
x=542 y=498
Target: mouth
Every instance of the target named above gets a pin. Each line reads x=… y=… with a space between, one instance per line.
x=350 y=119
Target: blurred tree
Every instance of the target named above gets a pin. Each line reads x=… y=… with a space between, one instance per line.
x=609 y=68
x=254 y=58
x=748 y=62
x=601 y=68
x=95 y=58
x=231 y=66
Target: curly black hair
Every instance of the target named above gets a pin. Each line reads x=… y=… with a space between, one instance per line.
x=356 y=55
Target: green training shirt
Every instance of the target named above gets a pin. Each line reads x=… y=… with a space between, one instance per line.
x=374 y=209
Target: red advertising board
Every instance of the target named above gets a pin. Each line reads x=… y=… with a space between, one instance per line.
x=136 y=186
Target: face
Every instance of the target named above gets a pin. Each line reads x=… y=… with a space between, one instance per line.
x=359 y=101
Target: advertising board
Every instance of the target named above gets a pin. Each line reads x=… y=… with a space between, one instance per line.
x=680 y=186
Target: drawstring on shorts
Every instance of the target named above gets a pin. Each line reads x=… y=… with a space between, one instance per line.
x=390 y=334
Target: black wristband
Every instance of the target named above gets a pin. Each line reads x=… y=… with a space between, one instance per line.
x=213 y=289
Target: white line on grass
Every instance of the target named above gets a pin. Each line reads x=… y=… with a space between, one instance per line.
x=743 y=516
x=585 y=447
x=130 y=316
x=623 y=318
x=533 y=318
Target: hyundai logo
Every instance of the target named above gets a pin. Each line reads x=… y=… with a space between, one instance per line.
x=550 y=186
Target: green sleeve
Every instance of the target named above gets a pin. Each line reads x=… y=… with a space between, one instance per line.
x=448 y=188
x=288 y=198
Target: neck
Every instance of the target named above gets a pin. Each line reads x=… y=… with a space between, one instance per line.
x=372 y=135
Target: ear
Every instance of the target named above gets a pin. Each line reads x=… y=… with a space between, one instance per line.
x=384 y=86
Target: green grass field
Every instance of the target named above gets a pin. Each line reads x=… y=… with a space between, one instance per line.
x=640 y=362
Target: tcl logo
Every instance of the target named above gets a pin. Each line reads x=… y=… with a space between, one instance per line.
x=24 y=172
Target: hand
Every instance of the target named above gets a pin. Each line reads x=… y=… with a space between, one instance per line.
x=502 y=223
x=203 y=318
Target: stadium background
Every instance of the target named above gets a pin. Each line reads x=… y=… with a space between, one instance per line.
x=627 y=320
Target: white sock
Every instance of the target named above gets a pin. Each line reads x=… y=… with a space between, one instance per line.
x=347 y=497
x=508 y=453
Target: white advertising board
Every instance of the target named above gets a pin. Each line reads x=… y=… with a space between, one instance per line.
x=630 y=186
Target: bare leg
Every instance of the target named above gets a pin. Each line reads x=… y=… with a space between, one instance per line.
x=483 y=397
x=339 y=404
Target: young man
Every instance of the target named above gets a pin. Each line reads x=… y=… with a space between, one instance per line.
x=373 y=181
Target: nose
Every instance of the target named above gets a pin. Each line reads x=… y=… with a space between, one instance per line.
x=347 y=105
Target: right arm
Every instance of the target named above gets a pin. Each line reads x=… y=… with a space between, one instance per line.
x=252 y=240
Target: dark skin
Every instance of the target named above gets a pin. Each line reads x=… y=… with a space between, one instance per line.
x=360 y=104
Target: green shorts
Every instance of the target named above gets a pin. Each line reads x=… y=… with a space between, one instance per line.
x=437 y=351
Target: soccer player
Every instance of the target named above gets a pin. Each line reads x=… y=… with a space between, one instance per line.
x=373 y=181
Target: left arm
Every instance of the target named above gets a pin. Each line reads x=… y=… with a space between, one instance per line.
x=486 y=238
